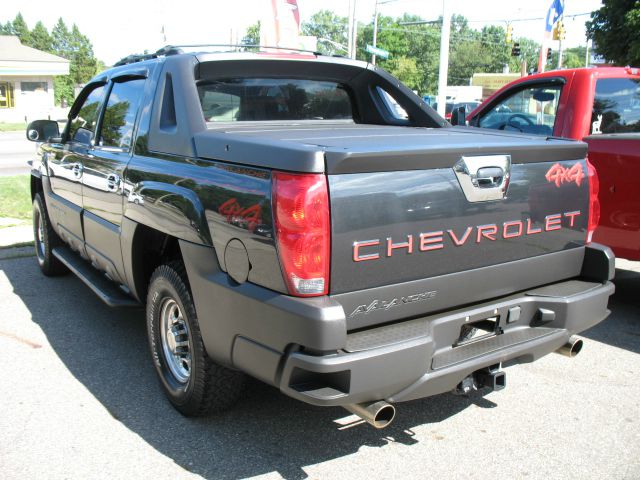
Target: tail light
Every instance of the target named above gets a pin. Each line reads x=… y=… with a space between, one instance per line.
x=303 y=237
x=594 y=202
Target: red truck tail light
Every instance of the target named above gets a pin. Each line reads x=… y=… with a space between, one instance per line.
x=303 y=236
x=594 y=202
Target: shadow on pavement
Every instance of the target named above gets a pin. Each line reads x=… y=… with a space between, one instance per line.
x=622 y=328
x=106 y=349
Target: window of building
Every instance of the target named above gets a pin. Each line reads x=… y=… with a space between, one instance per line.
x=616 y=108
x=34 y=86
x=120 y=114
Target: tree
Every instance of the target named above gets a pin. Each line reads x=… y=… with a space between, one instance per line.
x=252 y=36
x=83 y=63
x=327 y=25
x=615 y=30
x=6 y=29
x=40 y=38
x=20 y=29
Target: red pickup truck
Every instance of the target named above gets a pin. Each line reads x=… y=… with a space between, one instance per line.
x=598 y=105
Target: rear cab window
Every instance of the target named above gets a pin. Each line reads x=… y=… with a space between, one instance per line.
x=531 y=110
x=616 y=106
x=237 y=99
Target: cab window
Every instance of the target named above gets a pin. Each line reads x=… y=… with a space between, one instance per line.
x=120 y=114
x=616 y=108
x=82 y=128
x=530 y=110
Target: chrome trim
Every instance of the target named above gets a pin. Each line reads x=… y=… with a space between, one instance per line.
x=475 y=190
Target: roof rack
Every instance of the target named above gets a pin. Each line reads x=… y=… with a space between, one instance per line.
x=178 y=49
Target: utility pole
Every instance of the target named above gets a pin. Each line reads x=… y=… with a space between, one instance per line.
x=586 y=56
x=444 y=57
x=560 y=27
x=375 y=32
x=350 y=29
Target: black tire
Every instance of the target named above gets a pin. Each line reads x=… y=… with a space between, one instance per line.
x=45 y=240
x=193 y=383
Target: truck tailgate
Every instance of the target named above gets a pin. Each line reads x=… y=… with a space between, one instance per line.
x=398 y=229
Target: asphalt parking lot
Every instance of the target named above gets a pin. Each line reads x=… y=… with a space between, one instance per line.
x=80 y=400
x=15 y=152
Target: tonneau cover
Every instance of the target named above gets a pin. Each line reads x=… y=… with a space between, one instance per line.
x=346 y=147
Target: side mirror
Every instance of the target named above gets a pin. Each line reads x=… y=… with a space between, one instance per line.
x=42 y=130
x=458 y=116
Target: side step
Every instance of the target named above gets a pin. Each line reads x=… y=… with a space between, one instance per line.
x=109 y=292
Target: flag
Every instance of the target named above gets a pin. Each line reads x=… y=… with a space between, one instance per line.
x=553 y=14
x=281 y=26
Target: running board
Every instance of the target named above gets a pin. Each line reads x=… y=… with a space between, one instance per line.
x=105 y=289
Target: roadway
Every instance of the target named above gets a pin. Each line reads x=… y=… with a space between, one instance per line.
x=81 y=400
x=15 y=152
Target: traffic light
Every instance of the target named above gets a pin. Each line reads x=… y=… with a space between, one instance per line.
x=509 y=33
x=560 y=29
x=515 y=50
x=549 y=54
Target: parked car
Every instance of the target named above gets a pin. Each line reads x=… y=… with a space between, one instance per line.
x=598 y=105
x=307 y=220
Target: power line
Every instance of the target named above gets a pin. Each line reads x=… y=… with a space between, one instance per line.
x=525 y=19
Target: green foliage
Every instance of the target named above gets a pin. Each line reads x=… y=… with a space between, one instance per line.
x=327 y=25
x=252 y=37
x=69 y=44
x=40 y=38
x=615 y=29
x=20 y=29
x=15 y=198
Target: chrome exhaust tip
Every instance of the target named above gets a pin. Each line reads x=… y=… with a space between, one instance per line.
x=571 y=348
x=379 y=414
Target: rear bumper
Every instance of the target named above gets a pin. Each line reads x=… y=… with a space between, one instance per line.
x=417 y=359
x=302 y=345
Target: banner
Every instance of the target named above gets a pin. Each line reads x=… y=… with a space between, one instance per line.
x=555 y=12
x=281 y=25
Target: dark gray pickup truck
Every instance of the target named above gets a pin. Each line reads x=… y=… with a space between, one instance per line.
x=309 y=221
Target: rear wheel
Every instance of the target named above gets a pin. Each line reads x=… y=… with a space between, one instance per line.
x=193 y=383
x=45 y=240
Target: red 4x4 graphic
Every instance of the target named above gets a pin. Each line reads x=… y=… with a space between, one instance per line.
x=558 y=174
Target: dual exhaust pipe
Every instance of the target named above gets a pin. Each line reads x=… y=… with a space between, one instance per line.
x=380 y=414
x=571 y=348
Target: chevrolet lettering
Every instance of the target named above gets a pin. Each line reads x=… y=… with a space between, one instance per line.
x=424 y=242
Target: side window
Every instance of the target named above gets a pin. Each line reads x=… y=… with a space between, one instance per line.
x=392 y=105
x=531 y=110
x=616 y=108
x=120 y=114
x=83 y=125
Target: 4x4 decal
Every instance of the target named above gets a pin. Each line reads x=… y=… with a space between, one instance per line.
x=558 y=174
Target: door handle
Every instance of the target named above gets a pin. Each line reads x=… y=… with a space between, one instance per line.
x=113 y=182
x=489 y=177
x=77 y=170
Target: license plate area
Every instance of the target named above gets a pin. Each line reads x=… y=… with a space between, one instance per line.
x=479 y=330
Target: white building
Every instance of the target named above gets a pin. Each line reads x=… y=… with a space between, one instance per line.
x=26 y=81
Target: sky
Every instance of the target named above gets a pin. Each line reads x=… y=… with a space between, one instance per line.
x=121 y=27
